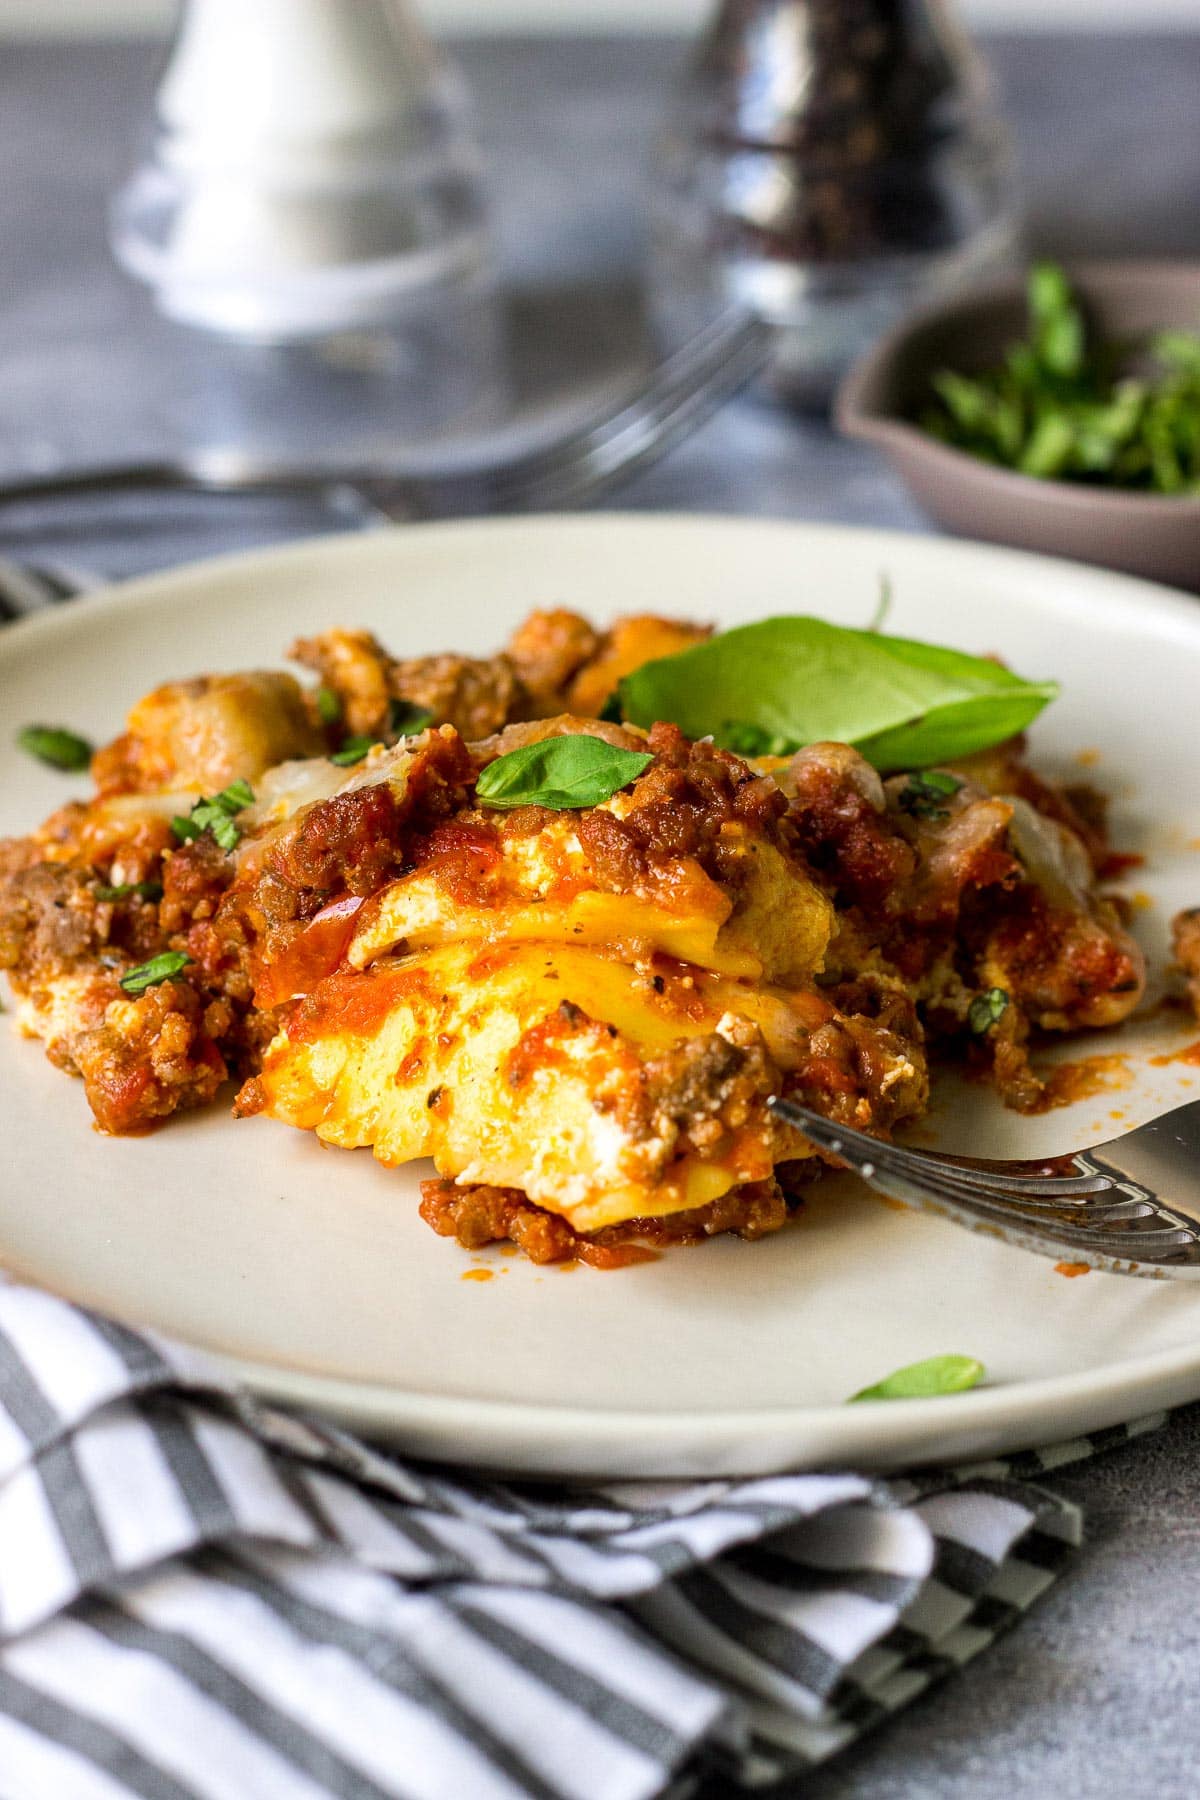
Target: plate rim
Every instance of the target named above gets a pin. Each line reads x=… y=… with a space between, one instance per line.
x=1171 y=604
x=645 y=1442
x=652 y=1443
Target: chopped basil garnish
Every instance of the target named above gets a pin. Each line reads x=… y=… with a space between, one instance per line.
x=559 y=773
x=406 y=719
x=903 y=704
x=353 y=751
x=124 y=890
x=987 y=1010
x=216 y=815
x=923 y=793
x=159 y=969
x=745 y=739
x=926 y=1380
x=235 y=797
x=329 y=706
x=55 y=746
x=1065 y=405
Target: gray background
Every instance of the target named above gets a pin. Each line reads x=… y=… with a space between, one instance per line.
x=1094 y=1694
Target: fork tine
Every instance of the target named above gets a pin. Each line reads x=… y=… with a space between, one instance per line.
x=1137 y=1242
x=1061 y=1191
x=704 y=372
x=1053 y=1174
x=1092 y=1205
x=856 y=1147
x=1149 y=1235
x=1132 y=1230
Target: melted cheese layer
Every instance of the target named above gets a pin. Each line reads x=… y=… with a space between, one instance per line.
x=768 y=921
x=523 y=1066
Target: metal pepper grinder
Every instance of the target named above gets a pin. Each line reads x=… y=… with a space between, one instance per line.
x=829 y=163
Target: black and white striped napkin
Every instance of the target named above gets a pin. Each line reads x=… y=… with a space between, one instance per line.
x=205 y=1598
x=27 y=588
x=201 y=1595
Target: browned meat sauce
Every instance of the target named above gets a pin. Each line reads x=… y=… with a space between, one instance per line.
x=478 y=1216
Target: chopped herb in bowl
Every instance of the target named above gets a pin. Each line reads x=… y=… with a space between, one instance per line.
x=1064 y=405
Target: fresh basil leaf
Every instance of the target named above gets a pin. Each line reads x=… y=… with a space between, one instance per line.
x=560 y=773
x=746 y=739
x=925 y=1380
x=1059 y=334
x=987 y=1010
x=1060 y=407
x=1049 y=448
x=1179 y=350
x=353 y=751
x=329 y=705
x=159 y=969
x=982 y=412
x=923 y=793
x=611 y=710
x=220 y=823
x=405 y=719
x=217 y=815
x=904 y=704
x=141 y=890
x=236 y=797
x=55 y=746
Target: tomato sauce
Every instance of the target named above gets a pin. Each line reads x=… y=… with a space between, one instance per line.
x=312 y=956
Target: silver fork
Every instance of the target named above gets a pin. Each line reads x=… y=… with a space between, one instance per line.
x=1131 y=1206
x=678 y=395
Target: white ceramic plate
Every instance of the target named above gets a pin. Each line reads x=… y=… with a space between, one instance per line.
x=309 y=1270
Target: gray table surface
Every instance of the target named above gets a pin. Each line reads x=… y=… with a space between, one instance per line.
x=1094 y=1694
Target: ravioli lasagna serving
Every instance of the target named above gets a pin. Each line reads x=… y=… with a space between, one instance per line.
x=522 y=918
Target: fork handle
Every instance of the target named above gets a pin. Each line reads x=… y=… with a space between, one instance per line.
x=143 y=477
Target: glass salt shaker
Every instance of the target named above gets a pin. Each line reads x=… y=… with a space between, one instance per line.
x=829 y=164
x=312 y=205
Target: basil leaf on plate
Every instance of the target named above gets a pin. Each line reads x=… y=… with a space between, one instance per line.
x=903 y=704
x=237 y=795
x=216 y=815
x=407 y=719
x=404 y=720
x=923 y=793
x=745 y=739
x=560 y=773
x=159 y=969
x=987 y=1010
x=55 y=746
x=329 y=706
x=925 y=1380
x=141 y=890
x=353 y=751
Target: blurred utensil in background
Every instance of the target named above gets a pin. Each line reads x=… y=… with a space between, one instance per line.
x=578 y=468
x=828 y=164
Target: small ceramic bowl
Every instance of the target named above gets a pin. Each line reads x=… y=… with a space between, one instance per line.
x=1157 y=536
